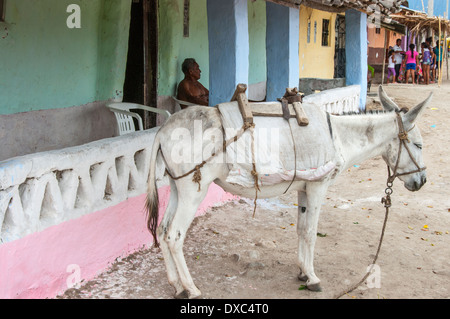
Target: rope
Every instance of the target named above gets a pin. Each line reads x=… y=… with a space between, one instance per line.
x=387 y=203
x=295 y=159
x=403 y=137
x=196 y=170
x=254 y=171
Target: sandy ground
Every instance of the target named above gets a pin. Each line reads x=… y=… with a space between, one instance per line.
x=232 y=255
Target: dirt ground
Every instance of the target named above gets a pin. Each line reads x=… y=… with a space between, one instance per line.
x=234 y=256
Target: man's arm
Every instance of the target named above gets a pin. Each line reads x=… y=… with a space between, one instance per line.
x=188 y=93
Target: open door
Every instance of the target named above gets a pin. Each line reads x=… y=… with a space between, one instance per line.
x=141 y=73
x=339 y=53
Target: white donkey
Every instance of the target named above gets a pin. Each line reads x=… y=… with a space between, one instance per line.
x=391 y=134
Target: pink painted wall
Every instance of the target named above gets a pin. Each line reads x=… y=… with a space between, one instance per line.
x=39 y=265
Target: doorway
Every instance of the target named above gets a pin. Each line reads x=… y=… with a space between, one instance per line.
x=339 y=53
x=142 y=62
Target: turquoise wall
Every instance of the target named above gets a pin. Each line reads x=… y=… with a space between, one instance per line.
x=174 y=48
x=46 y=65
x=257 y=41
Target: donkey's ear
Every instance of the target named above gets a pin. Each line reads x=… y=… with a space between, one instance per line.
x=386 y=101
x=413 y=114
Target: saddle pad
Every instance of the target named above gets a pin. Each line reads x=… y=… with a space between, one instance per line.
x=275 y=160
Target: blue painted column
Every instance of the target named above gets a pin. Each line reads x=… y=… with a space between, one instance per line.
x=228 y=48
x=282 y=37
x=356 y=52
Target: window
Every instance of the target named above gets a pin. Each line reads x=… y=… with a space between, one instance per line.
x=308 y=33
x=325 y=32
x=315 y=31
x=2 y=10
x=378 y=30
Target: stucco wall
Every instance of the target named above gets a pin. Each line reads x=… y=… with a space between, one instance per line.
x=316 y=61
x=46 y=65
x=174 y=48
x=257 y=41
x=54 y=80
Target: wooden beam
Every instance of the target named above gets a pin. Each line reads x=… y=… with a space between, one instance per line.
x=2 y=10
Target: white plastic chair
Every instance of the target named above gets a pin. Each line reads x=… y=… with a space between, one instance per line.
x=124 y=116
x=179 y=102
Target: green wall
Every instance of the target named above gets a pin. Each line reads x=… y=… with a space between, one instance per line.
x=174 y=48
x=46 y=65
x=257 y=41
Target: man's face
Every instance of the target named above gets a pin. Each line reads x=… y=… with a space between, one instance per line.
x=195 y=71
x=399 y=42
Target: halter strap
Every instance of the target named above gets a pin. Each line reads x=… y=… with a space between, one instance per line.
x=403 y=138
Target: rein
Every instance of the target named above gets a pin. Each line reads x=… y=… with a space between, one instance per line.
x=403 y=138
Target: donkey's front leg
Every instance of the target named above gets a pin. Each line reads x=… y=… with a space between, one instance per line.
x=310 y=202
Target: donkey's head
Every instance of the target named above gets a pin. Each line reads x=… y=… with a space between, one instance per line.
x=404 y=153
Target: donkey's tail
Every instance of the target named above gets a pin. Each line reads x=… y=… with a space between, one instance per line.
x=152 y=201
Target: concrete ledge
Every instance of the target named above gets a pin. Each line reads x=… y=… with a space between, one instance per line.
x=44 y=130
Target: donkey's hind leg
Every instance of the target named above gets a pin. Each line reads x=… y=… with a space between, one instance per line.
x=189 y=199
x=172 y=273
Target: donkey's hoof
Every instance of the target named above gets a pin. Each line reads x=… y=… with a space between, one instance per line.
x=196 y=297
x=314 y=287
x=182 y=295
x=302 y=277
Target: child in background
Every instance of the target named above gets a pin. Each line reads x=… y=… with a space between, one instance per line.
x=412 y=60
x=391 y=67
x=426 y=63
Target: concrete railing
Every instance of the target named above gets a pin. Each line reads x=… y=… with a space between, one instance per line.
x=44 y=189
x=337 y=101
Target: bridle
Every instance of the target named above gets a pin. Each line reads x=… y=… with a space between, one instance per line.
x=403 y=138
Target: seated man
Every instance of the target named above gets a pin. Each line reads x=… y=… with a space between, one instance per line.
x=190 y=89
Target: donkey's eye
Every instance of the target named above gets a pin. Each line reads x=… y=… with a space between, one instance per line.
x=419 y=146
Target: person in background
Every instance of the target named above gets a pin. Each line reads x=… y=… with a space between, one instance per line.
x=398 y=58
x=438 y=52
x=391 y=67
x=426 y=63
x=190 y=89
x=412 y=60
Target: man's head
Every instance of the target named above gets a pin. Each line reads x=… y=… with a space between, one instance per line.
x=399 y=42
x=191 y=68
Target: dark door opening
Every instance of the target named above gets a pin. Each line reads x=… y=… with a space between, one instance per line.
x=339 y=53
x=141 y=72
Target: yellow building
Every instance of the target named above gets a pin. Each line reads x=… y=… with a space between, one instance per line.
x=317 y=43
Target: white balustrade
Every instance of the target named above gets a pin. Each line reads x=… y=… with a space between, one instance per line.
x=44 y=189
x=337 y=101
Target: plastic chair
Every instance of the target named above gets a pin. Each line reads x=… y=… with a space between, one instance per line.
x=179 y=102
x=125 y=117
